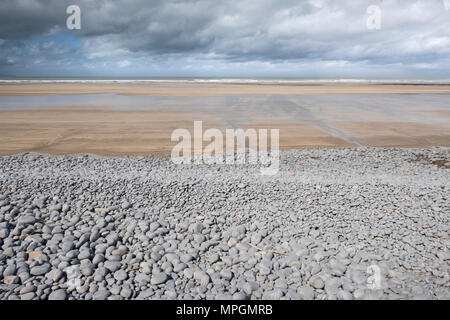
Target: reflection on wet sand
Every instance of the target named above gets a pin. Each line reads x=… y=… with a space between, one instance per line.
x=111 y=124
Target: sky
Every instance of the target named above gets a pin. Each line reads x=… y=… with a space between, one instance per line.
x=226 y=38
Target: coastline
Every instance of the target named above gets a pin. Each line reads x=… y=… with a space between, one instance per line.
x=215 y=90
x=111 y=130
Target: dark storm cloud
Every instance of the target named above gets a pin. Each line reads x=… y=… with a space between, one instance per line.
x=413 y=33
x=21 y=19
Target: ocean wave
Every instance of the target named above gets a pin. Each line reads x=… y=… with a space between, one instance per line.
x=223 y=80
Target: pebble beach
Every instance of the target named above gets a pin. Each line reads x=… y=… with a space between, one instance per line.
x=351 y=223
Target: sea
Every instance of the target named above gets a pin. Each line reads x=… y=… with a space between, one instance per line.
x=207 y=80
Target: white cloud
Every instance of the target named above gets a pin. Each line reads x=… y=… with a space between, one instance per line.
x=249 y=36
x=123 y=63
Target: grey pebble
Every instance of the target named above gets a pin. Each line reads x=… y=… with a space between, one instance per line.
x=58 y=295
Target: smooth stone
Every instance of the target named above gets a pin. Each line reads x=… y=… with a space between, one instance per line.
x=100 y=295
x=120 y=275
x=40 y=270
x=306 y=293
x=28 y=289
x=142 y=279
x=318 y=283
x=158 y=278
x=27 y=296
x=58 y=295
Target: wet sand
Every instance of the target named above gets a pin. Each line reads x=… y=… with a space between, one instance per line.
x=308 y=116
x=92 y=130
x=217 y=90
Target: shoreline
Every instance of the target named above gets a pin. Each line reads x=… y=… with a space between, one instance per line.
x=443 y=163
x=222 y=89
x=321 y=115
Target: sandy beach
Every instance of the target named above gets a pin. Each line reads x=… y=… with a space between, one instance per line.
x=215 y=90
x=121 y=128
